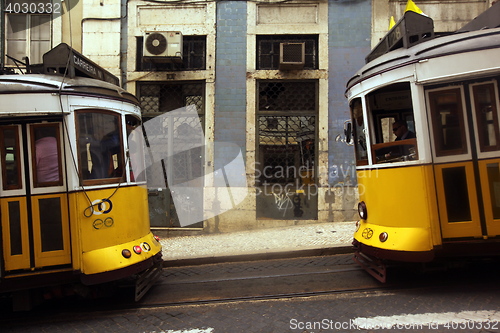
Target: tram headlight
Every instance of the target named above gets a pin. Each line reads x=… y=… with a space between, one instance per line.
x=383 y=236
x=137 y=249
x=362 y=211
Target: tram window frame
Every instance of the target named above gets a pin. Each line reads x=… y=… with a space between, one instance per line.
x=135 y=148
x=101 y=176
x=393 y=101
x=17 y=185
x=438 y=127
x=359 y=131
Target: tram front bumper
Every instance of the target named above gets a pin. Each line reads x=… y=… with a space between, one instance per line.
x=394 y=255
x=110 y=263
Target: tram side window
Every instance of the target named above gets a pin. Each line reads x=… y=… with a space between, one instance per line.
x=47 y=156
x=10 y=159
x=448 y=121
x=485 y=105
x=359 y=132
x=393 y=126
x=100 y=145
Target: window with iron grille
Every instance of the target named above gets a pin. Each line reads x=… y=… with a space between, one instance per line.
x=160 y=97
x=193 y=56
x=287 y=116
x=268 y=50
x=187 y=166
x=286 y=161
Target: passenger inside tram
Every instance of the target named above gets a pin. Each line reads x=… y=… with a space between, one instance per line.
x=111 y=150
x=47 y=155
x=101 y=155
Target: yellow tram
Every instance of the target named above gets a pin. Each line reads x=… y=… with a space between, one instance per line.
x=73 y=214
x=434 y=192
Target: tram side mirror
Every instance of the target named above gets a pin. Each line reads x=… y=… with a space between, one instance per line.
x=348 y=132
x=348 y=136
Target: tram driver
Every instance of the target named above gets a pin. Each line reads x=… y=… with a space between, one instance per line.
x=400 y=129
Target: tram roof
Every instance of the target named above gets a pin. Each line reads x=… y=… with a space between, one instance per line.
x=480 y=34
x=44 y=83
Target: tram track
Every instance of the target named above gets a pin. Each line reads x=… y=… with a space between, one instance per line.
x=260 y=287
x=263 y=297
x=353 y=268
x=212 y=288
x=223 y=283
x=332 y=280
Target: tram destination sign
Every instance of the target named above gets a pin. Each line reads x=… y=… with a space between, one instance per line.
x=63 y=58
x=412 y=29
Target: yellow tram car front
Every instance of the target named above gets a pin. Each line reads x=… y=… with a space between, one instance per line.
x=73 y=213
x=426 y=132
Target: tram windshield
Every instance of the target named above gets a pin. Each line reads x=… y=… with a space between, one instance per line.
x=100 y=146
x=391 y=125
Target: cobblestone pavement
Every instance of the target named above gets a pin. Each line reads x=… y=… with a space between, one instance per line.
x=335 y=312
x=291 y=239
x=326 y=313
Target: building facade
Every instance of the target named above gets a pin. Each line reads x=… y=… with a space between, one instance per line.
x=268 y=77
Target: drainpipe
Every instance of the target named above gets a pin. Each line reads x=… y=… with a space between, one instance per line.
x=123 y=43
x=2 y=40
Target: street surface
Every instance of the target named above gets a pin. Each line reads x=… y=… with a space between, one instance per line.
x=314 y=294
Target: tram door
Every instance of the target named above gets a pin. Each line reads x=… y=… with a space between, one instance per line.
x=466 y=142
x=34 y=209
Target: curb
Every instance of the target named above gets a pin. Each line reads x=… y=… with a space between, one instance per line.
x=259 y=256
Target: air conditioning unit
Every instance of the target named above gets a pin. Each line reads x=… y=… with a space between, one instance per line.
x=163 y=46
x=292 y=56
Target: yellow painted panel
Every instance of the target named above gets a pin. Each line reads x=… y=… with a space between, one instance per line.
x=16 y=261
x=56 y=257
x=397 y=197
x=489 y=187
x=114 y=221
x=470 y=228
x=74 y=232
